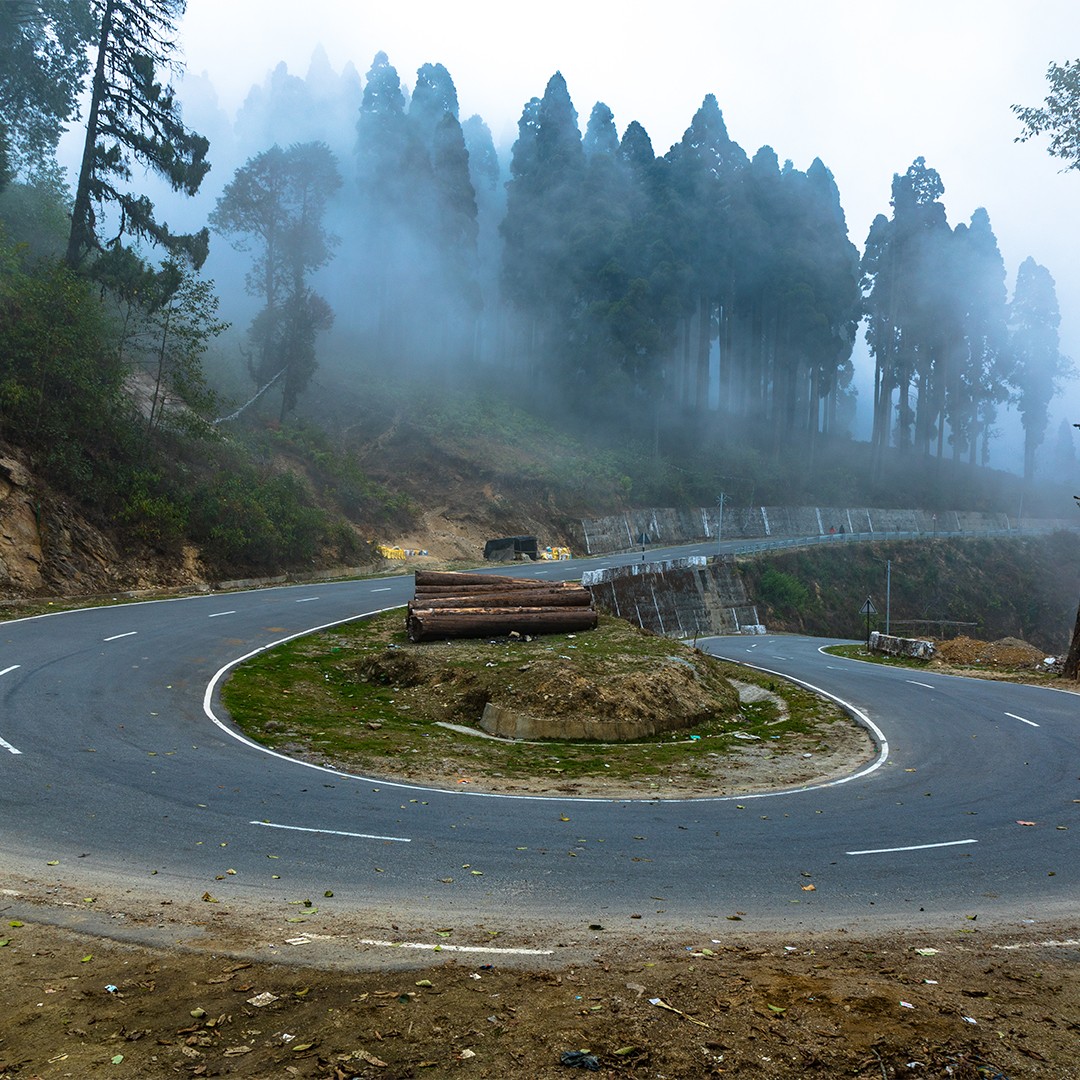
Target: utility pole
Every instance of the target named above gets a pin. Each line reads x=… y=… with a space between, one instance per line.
x=888 y=592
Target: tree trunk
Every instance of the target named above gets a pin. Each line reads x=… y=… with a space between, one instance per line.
x=1071 y=670
x=81 y=236
x=559 y=598
x=434 y=625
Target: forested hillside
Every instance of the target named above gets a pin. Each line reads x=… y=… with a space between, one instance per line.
x=362 y=304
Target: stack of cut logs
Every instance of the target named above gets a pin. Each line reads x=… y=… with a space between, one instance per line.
x=448 y=605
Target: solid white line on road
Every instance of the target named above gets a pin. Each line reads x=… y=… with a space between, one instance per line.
x=914 y=847
x=1068 y=943
x=456 y=948
x=926 y=684
x=307 y=599
x=6 y=745
x=218 y=614
x=1022 y=720
x=117 y=637
x=387 y=589
x=332 y=832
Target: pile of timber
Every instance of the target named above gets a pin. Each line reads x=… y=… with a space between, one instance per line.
x=448 y=605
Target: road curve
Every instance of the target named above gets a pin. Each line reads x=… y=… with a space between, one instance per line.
x=110 y=764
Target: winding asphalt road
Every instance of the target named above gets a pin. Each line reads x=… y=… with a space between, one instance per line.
x=113 y=761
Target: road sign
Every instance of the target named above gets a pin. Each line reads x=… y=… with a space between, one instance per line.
x=868 y=608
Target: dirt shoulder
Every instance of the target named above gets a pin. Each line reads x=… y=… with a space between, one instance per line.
x=243 y=997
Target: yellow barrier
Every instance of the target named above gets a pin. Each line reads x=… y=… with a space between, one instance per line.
x=553 y=554
x=399 y=553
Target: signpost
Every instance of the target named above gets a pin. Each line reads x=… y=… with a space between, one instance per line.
x=643 y=539
x=868 y=609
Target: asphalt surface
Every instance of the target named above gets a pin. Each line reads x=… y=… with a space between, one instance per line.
x=116 y=758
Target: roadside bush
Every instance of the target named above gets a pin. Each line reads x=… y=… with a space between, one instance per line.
x=783 y=592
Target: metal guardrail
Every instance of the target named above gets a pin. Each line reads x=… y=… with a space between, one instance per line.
x=749 y=547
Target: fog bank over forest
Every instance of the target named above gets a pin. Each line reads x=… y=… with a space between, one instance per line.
x=652 y=286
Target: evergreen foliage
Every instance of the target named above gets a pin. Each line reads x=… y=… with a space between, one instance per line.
x=133 y=116
x=275 y=205
x=43 y=62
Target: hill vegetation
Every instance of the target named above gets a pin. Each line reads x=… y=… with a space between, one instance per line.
x=439 y=333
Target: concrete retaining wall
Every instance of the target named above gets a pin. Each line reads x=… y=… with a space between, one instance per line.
x=683 y=598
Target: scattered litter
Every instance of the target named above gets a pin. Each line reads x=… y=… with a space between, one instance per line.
x=660 y=1003
x=110 y=988
x=466 y=1054
x=906 y=1005
x=746 y=735
x=970 y=1020
x=1025 y=823
x=927 y=952
x=259 y=1000
x=579 y=1059
x=297 y=941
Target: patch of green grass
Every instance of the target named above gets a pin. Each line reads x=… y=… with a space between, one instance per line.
x=361 y=697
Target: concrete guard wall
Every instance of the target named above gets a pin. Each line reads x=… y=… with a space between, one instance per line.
x=892 y=645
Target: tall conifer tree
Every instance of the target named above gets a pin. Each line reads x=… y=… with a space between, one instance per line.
x=132 y=115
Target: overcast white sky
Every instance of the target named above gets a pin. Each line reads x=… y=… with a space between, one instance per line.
x=866 y=86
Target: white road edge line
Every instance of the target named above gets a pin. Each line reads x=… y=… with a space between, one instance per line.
x=332 y=832
x=3 y=742
x=306 y=600
x=117 y=637
x=387 y=589
x=1012 y=714
x=456 y=948
x=926 y=684
x=914 y=847
x=1068 y=943
x=218 y=614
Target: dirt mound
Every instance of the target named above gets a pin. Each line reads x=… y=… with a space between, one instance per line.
x=683 y=692
x=1007 y=652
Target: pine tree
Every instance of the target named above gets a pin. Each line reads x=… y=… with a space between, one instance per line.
x=43 y=63
x=1034 y=319
x=132 y=115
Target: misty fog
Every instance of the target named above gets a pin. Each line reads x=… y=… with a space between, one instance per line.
x=701 y=287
